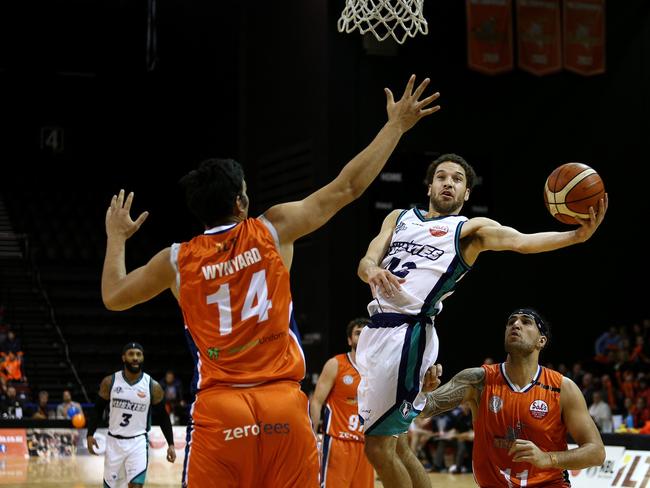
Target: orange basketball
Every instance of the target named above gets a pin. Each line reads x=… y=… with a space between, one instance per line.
x=79 y=420
x=570 y=190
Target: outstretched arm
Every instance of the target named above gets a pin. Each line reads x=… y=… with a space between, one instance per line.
x=122 y=290
x=590 y=451
x=465 y=386
x=296 y=219
x=369 y=270
x=322 y=391
x=488 y=235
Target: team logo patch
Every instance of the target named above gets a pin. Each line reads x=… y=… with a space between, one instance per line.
x=495 y=403
x=118 y=389
x=348 y=380
x=400 y=227
x=405 y=409
x=438 y=230
x=538 y=409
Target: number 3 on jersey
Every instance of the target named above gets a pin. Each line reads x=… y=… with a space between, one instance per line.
x=255 y=304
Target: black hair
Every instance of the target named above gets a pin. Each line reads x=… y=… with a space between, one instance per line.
x=132 y=345
x=470 y=174
x=212 y=189
x=358 y=322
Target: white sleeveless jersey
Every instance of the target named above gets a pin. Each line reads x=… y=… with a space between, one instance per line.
x=129 y=406
x=426 y=254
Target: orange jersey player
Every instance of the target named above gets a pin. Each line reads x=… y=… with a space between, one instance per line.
x=522 y=413
x=343 y=462
x=249 y=417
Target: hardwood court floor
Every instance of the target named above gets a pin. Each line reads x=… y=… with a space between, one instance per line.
x=86 y=472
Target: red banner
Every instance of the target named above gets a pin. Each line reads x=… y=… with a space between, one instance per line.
x=539 y=36
x=489 y=35
x=13 y=443
x=584 y=36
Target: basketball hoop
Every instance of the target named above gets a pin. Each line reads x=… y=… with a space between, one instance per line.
x=396 y=18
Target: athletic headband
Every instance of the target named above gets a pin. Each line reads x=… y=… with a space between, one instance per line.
x=543 y=328
x=132 y=345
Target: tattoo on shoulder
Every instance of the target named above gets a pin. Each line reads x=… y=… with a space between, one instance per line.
x=452 y=393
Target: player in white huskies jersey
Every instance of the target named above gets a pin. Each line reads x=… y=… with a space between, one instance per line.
x=413 y=264
x=132 y=396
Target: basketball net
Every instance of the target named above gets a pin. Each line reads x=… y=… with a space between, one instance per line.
x=396 y=18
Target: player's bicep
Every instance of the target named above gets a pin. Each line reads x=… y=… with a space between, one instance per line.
x=294 y=220
x=576 y=415
x=141 y=284
x=157 y=392
x=105 y=387
x=326 y=380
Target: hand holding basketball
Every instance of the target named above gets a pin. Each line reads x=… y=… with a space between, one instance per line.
x=574 y=193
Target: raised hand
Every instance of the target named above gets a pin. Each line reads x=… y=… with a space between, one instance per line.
x=118 y=217
x=409 y=109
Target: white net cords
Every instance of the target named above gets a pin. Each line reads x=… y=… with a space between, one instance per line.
x=397 y=18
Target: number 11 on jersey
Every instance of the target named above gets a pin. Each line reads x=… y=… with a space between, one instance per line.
x=255 y=304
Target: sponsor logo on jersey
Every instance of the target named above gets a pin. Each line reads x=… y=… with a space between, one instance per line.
x=495 y=403
x=538 y=409
x=348 y=379
x=423 y=250
x=254 y=430
x=226 y=245
x=405 y=409
x=438 y=230
x=125 y=404
x=142 y=394
x=214 y=352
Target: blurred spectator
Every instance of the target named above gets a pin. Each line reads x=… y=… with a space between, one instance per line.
x=562 y=369
x=641 y=413
x=174 y=402
x=644 y=390
x=628 y=413
x=488 y=360
x=459 y=433
x=628 y=385
x=419 y=433
x=639 y=353
x=610 y=393
x=588 y=387
x=607 y=341
x=43 y=410
x=576 y=373
x=63 y=409
x=11 y=366
x=12 y=405
x=601 y=413
x=12 y=343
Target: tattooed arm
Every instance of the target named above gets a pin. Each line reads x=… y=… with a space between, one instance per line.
x=465 y=386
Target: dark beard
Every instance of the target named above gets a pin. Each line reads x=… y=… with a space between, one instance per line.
x=133 y=369
x=445 y=208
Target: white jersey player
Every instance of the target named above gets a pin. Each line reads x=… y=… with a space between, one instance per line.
x=132 y=396
x=412 y=265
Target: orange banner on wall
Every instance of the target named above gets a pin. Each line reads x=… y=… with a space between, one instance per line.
x=584 y=36
x=539 y=36
x=489 y=35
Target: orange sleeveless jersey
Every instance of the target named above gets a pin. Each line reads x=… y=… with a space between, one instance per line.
x=341 y=414
x=533 y=414
x=236 y=302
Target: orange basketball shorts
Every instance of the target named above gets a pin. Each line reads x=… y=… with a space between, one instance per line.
x=251 y=438
x=345 y=465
